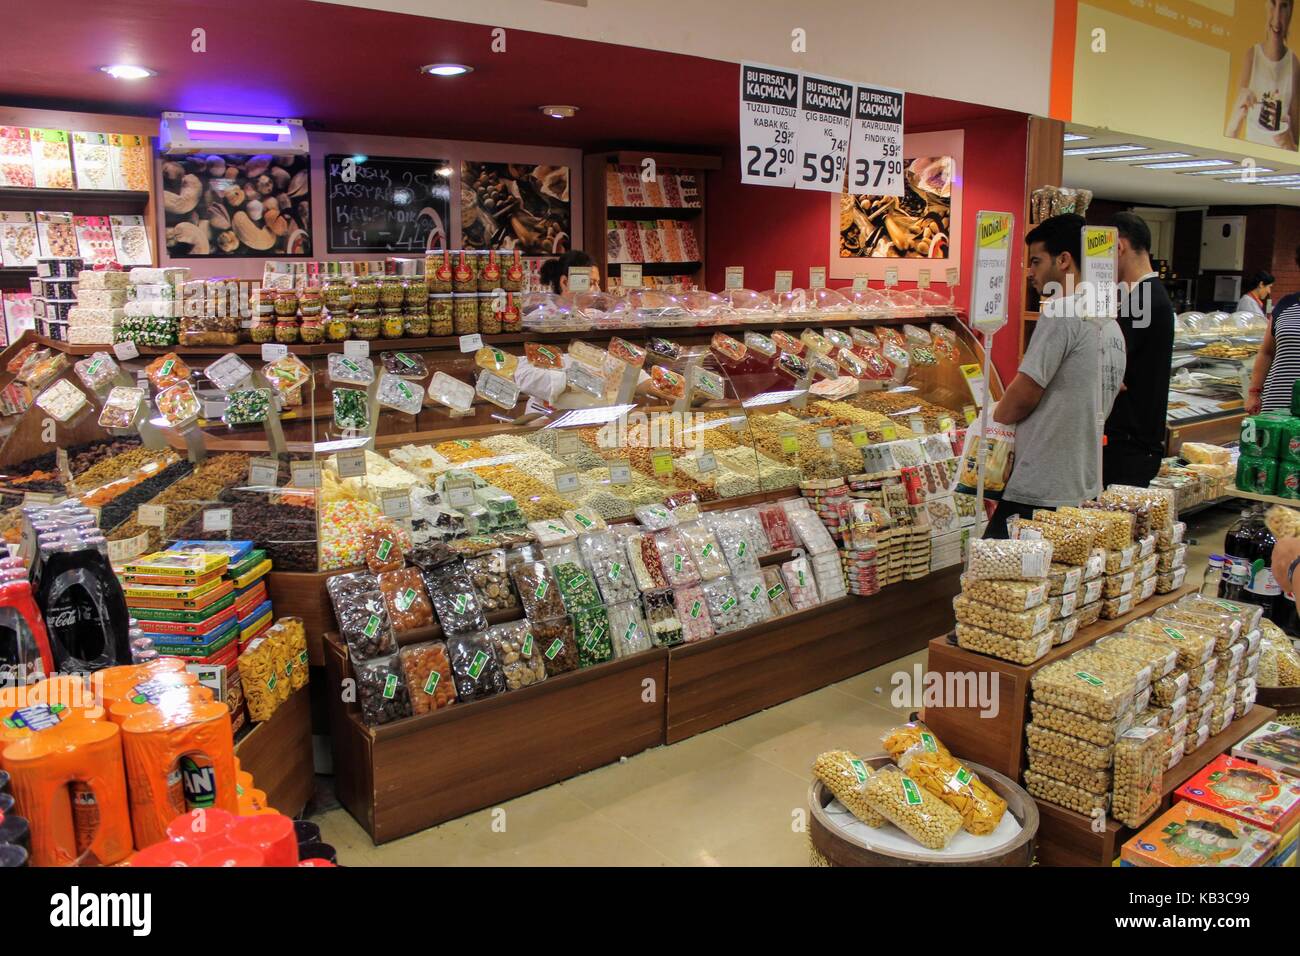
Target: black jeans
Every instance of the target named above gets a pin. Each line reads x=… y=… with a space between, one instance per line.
x=1125 y=464
x=998 y=523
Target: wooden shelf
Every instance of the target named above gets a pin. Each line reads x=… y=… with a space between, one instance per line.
x=657 y=268
x=45 y=196
x=277 y=752
x=1266 y=499
x=653 y=212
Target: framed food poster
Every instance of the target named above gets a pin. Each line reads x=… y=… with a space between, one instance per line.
x=919 y=230
x=515 y=206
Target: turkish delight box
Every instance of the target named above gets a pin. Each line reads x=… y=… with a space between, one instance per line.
x=1189 y=834
x=1274 y=745
x=1250 y=792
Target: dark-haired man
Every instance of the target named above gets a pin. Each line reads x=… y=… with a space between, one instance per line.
x=1135 y=428
x=1067 y=381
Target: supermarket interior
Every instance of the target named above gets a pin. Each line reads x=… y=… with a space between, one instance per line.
x=416 y=452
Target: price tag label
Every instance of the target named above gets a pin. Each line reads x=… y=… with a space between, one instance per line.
x=120 y=551
x=946 y=424
x=274 y=351
x=975 y=381
x=971 y=413
x=536 y=406
x=579 y=376
x=859 y=435
x=888 y=432
x=396 y=504
x=579 y=279
x=817 y=277
x=988 y=309
x=1100 y=267
x=620 y=473
x=876 y=142
x=352 y=464
x=735 y=277
x=951 y=276
x=769 y=125
x=916 y=423
x=923 y=279
x=460 y=494
x=471 y=343
x=126 y=350
x=705 y=462
x=789 y=443
x=566 y=480
x=357 y=348
x=825 y=119
x=263 y=472
x=152 y=516
x=825 y=439
x=566 y=443
x=861 y=282
x=662 y=463
x=304 y=474
x=784 y=280
x=891 y=277
x=709 y=383
x=216 y=519
x=629 y=275
x=213 y=409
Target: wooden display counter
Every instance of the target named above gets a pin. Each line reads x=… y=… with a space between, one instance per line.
x=277 y=752
x=1068 y=838
x=998 y=740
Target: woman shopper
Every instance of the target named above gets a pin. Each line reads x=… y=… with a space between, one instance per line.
x=1260 y=288
x=1277 y=366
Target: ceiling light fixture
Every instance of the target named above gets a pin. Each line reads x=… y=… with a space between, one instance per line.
x=1075 y=137
x=444 y=171
x=125 y=71
x=1234 y=171
x=446 y=69
x=219 y=126
x=1265 y=180
x=559 y=111
x=1135 y=159
x=1103 y=150
x=1187 y=164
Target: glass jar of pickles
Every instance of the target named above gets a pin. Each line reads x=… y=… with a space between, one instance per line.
x=489 y=319
x=391 y=324
x=286 y=303
x=337 y=326
x=465 y=312
x=489 y=272
x=415 y=294
x=391 y=293
x=286 y=330
x=440 y=314
x=511 y=319
x=463 y=278
x=312 y=330
x=310 y=301
x=438 y=271
x=365 y=293
x=263 y=329
x=365 y=324
x=337 y=294
x=512 y=274
x=415 y=325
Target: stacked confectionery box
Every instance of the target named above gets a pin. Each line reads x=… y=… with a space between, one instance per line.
x=54 y=294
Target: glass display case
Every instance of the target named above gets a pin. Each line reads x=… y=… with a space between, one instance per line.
x=1212 y=360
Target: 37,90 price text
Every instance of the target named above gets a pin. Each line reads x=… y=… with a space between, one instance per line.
x=862 y=168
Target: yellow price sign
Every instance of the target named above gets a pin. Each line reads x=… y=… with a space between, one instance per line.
x=663 y=463
x=945 y=424
x=971 y=413
x=789 y=443
x=859 y=435
x=889 y=432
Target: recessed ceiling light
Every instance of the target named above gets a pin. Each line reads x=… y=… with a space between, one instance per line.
x=444 y=171
x=125 y=71
x=446 y=69
x=559 y=111
x=1187 y=164
x=1075 y=137
x=1135 y=159
x=1235 y=170
x=1102 y=150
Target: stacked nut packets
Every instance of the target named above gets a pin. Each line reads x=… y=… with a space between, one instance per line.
x=1003 y=609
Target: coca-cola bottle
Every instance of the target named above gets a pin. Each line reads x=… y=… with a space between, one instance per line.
x=1237 y=549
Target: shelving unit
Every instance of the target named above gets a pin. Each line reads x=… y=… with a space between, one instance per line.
x=1045 y=162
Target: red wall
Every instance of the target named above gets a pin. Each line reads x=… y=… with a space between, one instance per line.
x=764 y=228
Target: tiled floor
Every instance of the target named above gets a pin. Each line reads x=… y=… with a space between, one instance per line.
x=731 y=797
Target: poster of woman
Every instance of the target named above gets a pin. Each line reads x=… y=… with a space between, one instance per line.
x=1265 y=103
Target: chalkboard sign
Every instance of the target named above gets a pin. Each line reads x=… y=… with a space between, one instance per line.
x=386 y=204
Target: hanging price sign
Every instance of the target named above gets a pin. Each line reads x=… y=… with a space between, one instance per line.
x=988 y=307
x=876 y=147
x=825 y=111
x=769 y=125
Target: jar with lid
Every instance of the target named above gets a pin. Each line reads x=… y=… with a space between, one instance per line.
x=286 y=304
x=512 y=274
x=263 y=329
x=415 y=324
x=391 y=293
x=463 y=278
x=337 y=294
x=438 y=271
x=365 y=324
x=312 y=330
x=365 y=293
x=440 y=314
x=489 y=275
x=489 y=319
x=391 y=324
x=311 y=301
x=286 y=330
x=511 y=319
x=465 y=312
x=337 y=326
x=415 y=294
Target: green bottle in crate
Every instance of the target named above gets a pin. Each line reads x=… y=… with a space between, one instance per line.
x=1288 y=479
x=1261 y=435
x=1258 y=475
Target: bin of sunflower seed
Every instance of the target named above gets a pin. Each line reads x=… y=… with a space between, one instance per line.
x=845 y=775
x=910 y=807
x=1140 y=758
x=954 y=783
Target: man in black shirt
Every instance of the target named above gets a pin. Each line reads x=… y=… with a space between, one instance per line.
x=1135 y=429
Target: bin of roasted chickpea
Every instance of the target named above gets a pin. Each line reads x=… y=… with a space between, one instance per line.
x=489 y=319
x=391 y=324
x=440 y=314
x=465 y=314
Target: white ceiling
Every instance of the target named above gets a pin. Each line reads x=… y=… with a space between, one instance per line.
x=1127 y=182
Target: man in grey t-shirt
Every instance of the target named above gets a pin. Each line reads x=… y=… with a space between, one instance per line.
x=1068 y=380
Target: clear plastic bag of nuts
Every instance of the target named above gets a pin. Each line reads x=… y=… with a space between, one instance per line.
x=522 y=660
x=1018 y=624
x=1007 y=595
x=1065 y=795
x=845 y=775
x=1103 y=733
x=1140 y=756
x=992 y=559
x=1066 y=685
x=1069 y=545
x=1067 y=771
x=910 y=807
x=1017 y=650
x=980 y=807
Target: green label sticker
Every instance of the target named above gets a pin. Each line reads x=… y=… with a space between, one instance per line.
x=582 y=519
x=555 y=648
x=431 y=684
x=461 y=602
x=801 y=580
x=1089 y=678
x=728 y=604
x=1229 y=606
x=708 y=550
x=476 y=665
x=695 y=609
x=1173 y=632
x=577 y=581
x=405 y=360
x=963 y=776
x=910 y=792
x=859 y=770
x=405 y=599
x=302 y=658
x=540 y=592
x=929 y=743
x=741 y=549
x=94 y=367
x=271 y=682
x=385 y=548
x=498 y=356
x=406 y=392
x=167 y=367
x=462 y=443
x=631 y=630
x=528 y=644
x=372 y=626
x=615 y=571
x=351 y=366
x=677 y=563
x=755 y=591
x=390 y=686
x=288 y=668
x=775 y=591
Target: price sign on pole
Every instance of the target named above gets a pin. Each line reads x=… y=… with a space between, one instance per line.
x=769 y=125
x=988 y=307
x=825 y=114
x=1100 y=271
x=876 y=147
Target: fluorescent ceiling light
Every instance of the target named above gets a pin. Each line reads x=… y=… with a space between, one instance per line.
x=214 y=126
x=446 y=69
x=125 y=71
x=1103 y=150
x=1075 y=137
x=1187 y=164
x=1230 y=172
x=1265 y=180
x=1135 y=159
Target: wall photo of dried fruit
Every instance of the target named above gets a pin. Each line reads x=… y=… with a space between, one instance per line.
x=509 y=206
x=915 y=225
x=236 y=206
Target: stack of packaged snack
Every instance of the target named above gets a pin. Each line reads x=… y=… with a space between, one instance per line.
x=829 y=498
x=1254 y=794
x=1002 y=610
x=154 y=305
x=100 y=308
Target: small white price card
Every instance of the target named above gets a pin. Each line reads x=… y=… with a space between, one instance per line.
x=566 y=480
x=735 y=277
x=579 y=279
x=861 y=282
x=817 y=277
x=304 y=474
x=396 y=504
x=917 y=424
x=620 y=473
x=152 y=516
x=891 y=277
x=460 y=494
x=263 y=472
x=923 y=279
x=273 y=351
x=212 y=410
x=950 y=276
x=784 y=280
x=566 y=443
x=126 y=350
x=471 y=343
x=356 y=349
x=216 y=519
x=825 y=438
x=352 y=464
x=705 y=462
x=629 y=275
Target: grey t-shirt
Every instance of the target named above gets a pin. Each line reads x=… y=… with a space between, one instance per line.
x=1058 y=446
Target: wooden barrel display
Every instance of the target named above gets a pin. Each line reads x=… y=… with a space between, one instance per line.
x=841 y=849
x=1285 y=700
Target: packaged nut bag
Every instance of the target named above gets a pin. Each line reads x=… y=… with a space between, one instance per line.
x=956 y=785
x=910 y=807
x=845 y=775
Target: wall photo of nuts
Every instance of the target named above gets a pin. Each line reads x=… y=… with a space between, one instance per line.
x=237 y=206
x=509 y=206
x=915 y=225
